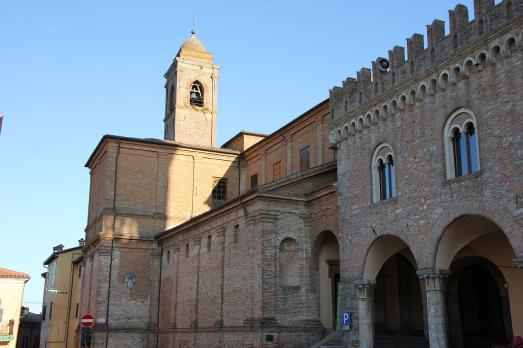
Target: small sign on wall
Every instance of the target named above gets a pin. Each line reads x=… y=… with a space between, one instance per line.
x=346 y=320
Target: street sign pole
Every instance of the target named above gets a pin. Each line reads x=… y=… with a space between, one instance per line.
x=86 y=337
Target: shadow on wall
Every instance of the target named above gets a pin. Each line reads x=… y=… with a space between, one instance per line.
x=197 y=184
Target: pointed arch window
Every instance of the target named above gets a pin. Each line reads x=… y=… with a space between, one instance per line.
x=461 y=144
x=383 y=173
x=196 y=94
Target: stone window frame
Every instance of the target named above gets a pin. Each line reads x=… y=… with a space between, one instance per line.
x=382 y=152
x=219 y=189
x=277 y=170
x=305 y=158
x=458 y=119
x=254 y=180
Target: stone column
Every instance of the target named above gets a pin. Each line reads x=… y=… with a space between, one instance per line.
x=365 y=314
x=349 y=302
x=435 y=290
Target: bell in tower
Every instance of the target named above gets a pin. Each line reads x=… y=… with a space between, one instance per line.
x=191 y=100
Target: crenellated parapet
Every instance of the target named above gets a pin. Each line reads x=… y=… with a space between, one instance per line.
x=372 y=85
x=435 y=81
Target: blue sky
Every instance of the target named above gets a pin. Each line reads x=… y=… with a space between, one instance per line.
x=72 y=71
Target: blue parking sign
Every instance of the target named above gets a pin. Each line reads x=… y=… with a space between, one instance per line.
x=346 y=320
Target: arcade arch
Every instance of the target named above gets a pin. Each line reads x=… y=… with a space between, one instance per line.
x=327 y=265
x=391 y=306
x=484 y=288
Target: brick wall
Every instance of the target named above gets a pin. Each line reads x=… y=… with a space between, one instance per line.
x=427 y=201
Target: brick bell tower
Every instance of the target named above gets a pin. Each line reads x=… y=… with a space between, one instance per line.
x=191 y=95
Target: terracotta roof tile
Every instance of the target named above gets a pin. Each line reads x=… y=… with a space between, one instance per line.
x=7 y=273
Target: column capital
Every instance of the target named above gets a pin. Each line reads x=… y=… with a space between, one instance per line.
x=424 y=273
x=365 y=288
x=361 y=283
x=435 y=279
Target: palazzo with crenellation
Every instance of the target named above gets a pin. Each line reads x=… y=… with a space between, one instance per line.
x=398 y=199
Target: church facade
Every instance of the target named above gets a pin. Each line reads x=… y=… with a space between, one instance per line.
x=398 y=199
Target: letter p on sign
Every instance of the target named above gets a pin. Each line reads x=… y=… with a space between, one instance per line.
x=347 y=320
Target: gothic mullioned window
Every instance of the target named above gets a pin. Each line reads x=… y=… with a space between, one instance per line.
x=196 y=94
x=383 y=173
x=461 y=144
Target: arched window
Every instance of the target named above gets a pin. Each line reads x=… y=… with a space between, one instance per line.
x=383 y=173
x=461 y=144
x=196 y=94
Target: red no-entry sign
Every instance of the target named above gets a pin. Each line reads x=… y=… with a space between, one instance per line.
x=87 y=320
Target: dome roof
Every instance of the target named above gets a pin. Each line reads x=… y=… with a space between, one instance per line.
x=193 y=44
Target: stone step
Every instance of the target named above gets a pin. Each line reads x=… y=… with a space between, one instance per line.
x=400 y=342
x=332 y=340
